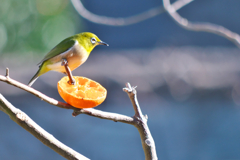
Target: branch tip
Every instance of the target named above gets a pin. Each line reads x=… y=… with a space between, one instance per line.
x=130 y=89
x=76 y=112
x=7 y=72
x=128 y=85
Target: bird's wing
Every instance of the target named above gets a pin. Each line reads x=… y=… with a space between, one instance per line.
x=60 y=48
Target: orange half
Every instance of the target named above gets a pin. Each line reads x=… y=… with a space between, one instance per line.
x=86 y=93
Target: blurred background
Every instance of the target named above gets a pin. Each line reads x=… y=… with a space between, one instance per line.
x=188 y=82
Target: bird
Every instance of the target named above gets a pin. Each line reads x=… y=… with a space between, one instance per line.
x=75 y=50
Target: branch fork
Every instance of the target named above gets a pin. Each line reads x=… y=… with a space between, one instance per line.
x=141 y=124
x=138 y=120
x=204 y=27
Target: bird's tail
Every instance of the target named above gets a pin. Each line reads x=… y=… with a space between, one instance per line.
x=34 y=78
x=42 y=69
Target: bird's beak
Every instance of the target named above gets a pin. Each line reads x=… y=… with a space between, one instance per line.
x=102 y=43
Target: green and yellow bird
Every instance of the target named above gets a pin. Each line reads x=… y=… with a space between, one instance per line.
x=75 y=50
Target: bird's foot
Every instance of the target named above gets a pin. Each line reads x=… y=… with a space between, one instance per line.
x=72 y=82
x=64 y=62
x=68 y=71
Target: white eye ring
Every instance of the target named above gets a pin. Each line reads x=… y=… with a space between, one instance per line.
x=93 y=40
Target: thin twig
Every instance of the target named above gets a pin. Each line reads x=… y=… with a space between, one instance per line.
x=105 y=115
x=7 y=73
x=121 y=21
x=133 y=97
x=27 y=123
x=148 y=143
x=205 y=27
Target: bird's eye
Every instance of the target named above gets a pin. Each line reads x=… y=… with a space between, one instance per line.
x=93 y=40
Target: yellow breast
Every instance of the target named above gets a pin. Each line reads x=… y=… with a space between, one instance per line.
x=75 y=56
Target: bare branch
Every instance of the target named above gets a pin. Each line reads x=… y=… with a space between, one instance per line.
x=52 y=101
x=138 y=120
x=132 y=93
x=27 y=123
x=205 y=27
x=77 y=111
x=122 y=21
x=105 y=115
x=141 y=124
x=181 y=3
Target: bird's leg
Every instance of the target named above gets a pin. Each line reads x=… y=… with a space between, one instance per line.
x=68 y=71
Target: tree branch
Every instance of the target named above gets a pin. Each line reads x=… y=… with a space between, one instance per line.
x=148 y=143
x=122 y=21
x=27 y=123
x=205 y=27
x=76 y=111
x=138 y=120
x=105 y=115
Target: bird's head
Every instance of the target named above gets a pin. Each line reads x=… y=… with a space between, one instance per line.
x=89 y=41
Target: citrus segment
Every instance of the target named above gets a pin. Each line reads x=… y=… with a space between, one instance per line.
x=86 y=93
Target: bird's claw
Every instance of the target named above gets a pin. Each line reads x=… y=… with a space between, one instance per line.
x=72 y=83
x=64 y=62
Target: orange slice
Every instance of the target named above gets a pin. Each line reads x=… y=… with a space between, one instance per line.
x=86 y=93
